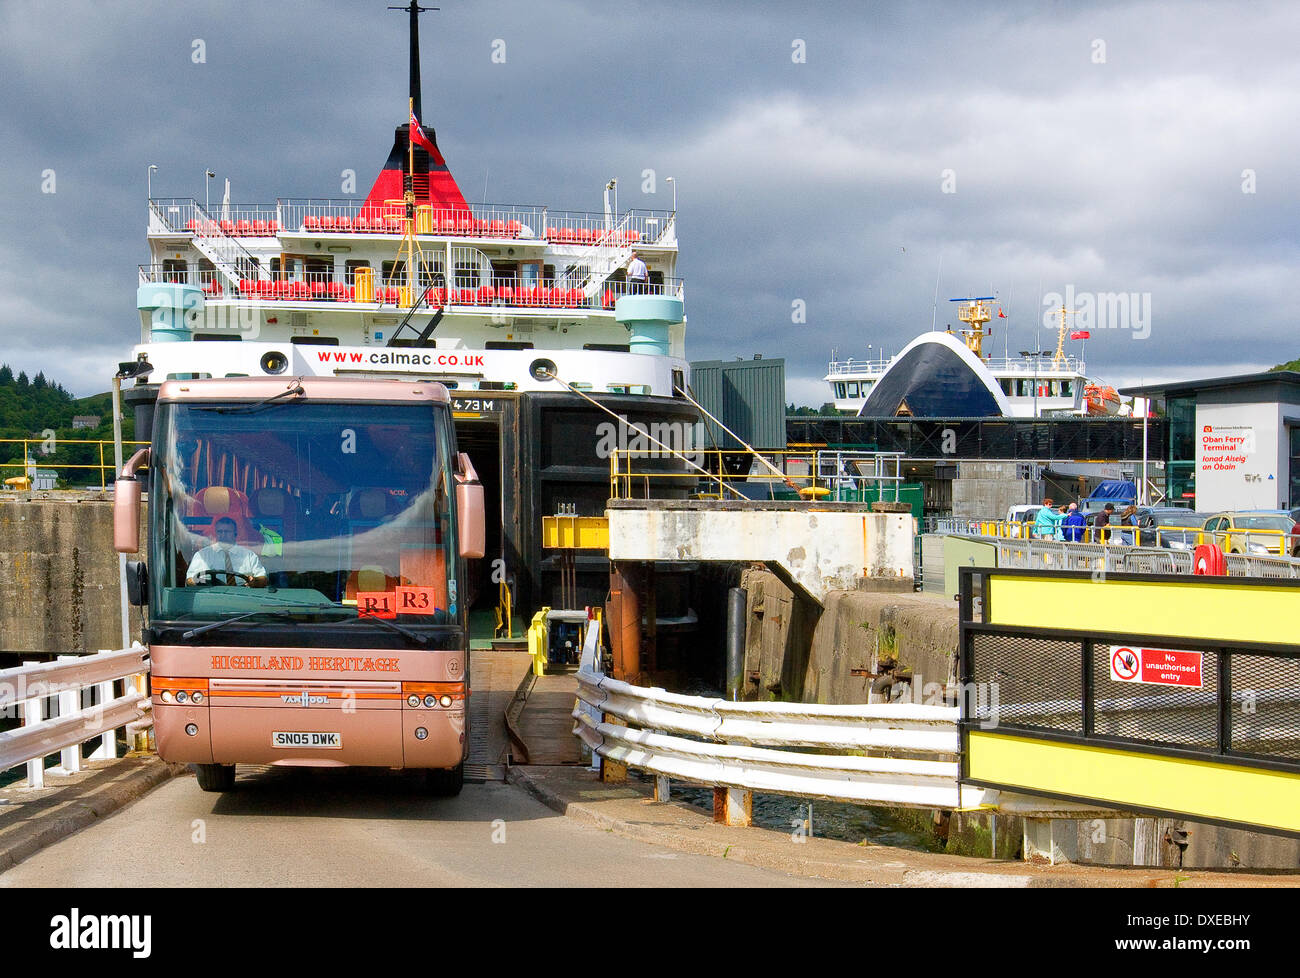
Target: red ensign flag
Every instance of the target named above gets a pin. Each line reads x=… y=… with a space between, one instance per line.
x=417 y=134
x=1080 y=334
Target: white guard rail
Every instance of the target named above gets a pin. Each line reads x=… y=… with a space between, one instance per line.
x=728 y=755
x=80 y=690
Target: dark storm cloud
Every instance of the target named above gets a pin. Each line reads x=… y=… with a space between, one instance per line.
x=816 y=181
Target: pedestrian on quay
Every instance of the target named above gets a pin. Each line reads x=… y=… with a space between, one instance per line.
x=1129 y=518
x=1101 y=526
x=1047 y=522
x=1074 y=524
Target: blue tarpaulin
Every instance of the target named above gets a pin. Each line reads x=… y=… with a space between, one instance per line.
x=1113 y=491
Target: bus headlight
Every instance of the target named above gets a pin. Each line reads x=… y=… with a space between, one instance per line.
x=445 y=701
x=192 y=729
x=413 y=700
x=196 y=696
x=421 y=733
x=167 y=696
x=182 y=696
x=430 y=700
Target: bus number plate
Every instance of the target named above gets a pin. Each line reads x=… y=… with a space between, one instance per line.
x=291 y=738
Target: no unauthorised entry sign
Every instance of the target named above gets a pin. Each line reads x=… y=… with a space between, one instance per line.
x=1160 y=667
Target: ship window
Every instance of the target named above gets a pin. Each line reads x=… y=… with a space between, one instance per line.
x=506 y=345
x=319 y=269
x=614 y=348
x=1007 y=385
x=839 y=390
x=175 y=269
x=394 y=272
x=1067 y=388
x=350 y=270
x=314 y=340
x=431 y=273
x=467 y=275
x=853 y=388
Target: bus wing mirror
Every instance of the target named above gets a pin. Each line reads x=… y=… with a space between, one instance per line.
x=469 y=510
x=137 y=582
x=126 y=505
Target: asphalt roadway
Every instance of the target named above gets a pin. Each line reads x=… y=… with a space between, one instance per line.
x=354 y=828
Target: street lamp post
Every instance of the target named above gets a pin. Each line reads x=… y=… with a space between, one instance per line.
x=149 y=179
x=1035 y=354
x=207 y=182
x=674 y=183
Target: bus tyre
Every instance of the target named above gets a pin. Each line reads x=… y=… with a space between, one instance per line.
x=444 y=783
x=215 y=777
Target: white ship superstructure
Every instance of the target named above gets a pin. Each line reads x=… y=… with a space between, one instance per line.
x=1036 y=383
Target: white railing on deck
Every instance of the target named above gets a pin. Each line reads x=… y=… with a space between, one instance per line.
x=1045 y=369
x=66 y=703
x=729 y=744
x=500 y=290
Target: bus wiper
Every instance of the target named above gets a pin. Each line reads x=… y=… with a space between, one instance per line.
x=296 y=390
x=402 y=629
x=275 y=613
x=414 y=636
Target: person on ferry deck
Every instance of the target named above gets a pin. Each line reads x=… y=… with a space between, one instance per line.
x=638 y=276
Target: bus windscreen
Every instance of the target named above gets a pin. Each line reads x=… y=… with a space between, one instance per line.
x=324 y=510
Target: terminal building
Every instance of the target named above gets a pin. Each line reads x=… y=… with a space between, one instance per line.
x=1230 y=442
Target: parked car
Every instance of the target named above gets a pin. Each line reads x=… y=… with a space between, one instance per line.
x=1021 y=518
x=1160 y=527
x=1232 y=532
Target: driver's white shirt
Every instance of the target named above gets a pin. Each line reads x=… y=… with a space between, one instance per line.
x=637 y=269
x=213 y=558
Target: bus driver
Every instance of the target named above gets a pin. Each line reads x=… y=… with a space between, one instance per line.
x=225 y=562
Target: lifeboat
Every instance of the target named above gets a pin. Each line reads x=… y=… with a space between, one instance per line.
x=1101 y=400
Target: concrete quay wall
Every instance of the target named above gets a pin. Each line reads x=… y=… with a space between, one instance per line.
x=59 y=581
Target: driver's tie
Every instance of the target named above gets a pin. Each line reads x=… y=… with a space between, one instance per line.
x=230 y=570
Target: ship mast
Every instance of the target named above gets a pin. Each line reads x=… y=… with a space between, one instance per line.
x=414 y=9
x=975 y=314
x=410 y=251
x=1059 y=358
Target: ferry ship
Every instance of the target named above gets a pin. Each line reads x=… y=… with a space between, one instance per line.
x=526 y=313
x=946 y=374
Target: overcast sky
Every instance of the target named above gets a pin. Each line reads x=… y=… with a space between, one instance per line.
x=1103 y=147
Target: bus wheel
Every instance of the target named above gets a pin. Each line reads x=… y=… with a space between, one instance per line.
x=215 y=777
x=445 y=783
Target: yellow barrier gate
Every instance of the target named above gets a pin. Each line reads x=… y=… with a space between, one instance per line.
x=1168 y=694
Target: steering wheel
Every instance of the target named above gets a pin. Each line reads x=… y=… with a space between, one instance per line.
x=206 y=578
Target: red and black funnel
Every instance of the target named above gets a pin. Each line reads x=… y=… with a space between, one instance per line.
x=432 y=184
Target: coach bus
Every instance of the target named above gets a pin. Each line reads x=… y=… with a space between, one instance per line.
x=305 y=576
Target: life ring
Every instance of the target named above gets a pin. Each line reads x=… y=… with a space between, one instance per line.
x=1208 y=559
